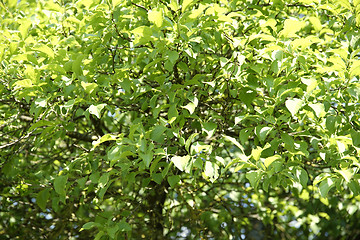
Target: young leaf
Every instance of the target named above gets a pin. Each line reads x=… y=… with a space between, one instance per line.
x=211 y=170
x=96 y=110
x=181 y=162
x=156 y=17
x=293 y=105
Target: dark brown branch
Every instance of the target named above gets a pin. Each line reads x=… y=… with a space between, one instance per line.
x=142 y=7
x=82 y=137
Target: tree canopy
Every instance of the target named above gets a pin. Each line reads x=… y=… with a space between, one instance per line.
x=140 y=119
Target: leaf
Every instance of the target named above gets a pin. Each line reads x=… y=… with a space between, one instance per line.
x=124 y=226
x=318 y=108
x=89 y=87
x=174 y=5
x=303 y=177
x=112 y=231
x=41 y=102
x=173 y=56
x=157 y=133
x=96 y=110
x=289 y=141
x=346 y=173
x=156 y=16
x=269 y=160
x=330 y=124
x=293 y=105
x=60 y=184
x=147 y=157
x=173 y=180
x=185 y=4
x=76 y=65
x=256 y=153
x=325 y=186
x=181 y=162
x=24 y=27
x=211 y=170
x=103 y=180
x=209 y=128
x=106 y=137
x=234 y=141
x=316 y=23
x=253 y=177
x=191 y=106
x=291 y=26
x=262 y=132
x=116 y=2
x=189 y=141
x=89 y=225
x=355 y=136
x=45 y=49
x=26 y=83
x=143 y=31
x=42 y=198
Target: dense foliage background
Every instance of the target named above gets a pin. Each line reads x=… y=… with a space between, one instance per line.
x=179 y=119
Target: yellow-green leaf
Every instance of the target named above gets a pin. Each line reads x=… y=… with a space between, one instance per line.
x=45 y=49
x=156 y=17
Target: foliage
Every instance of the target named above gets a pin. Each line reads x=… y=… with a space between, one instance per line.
x=179 y=120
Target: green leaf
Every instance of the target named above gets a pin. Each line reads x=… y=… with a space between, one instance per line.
x=293 y=105
x=289 y=141
x=234 y=141
x=105 y=138
x=76 y=65
x=254 y=178
x=45 y=49
x=262 y=132
x=316 y=23
x=24 y=27
x=189 y=141
x=60 y=184
x=325 y=186
x=173 y=180
x=103 y=180
x=96 y=110
x=89 y=225
x=157 y=133
x=124 y=226
x=147 y=157
x=181 y=162
x=269 y=160
x=112 y=230
x=173 y=56
x=174 y=5
x=330 y=124
x=355 y=136
x=42 y=198
x=209 y=128
x=303 y=177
